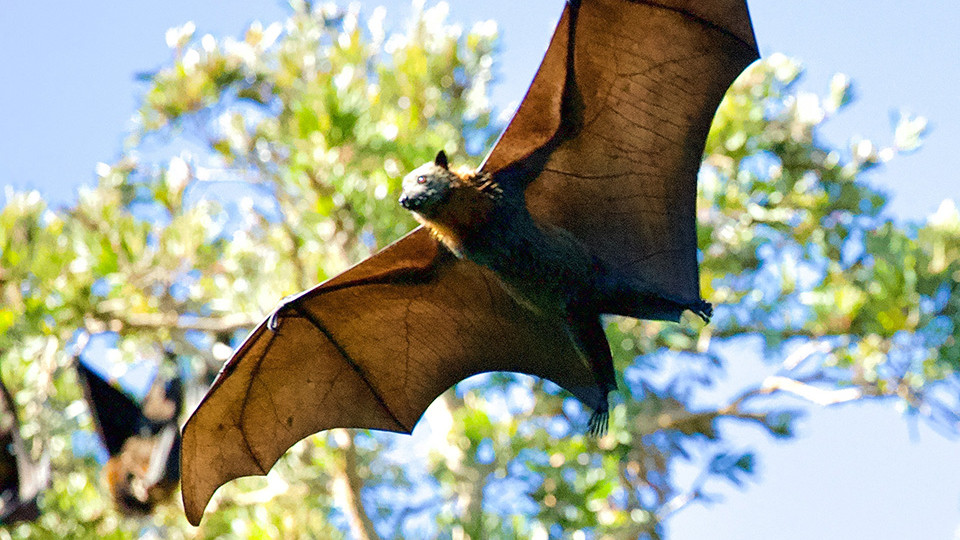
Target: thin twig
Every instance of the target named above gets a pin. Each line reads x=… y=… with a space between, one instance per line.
x=819 y=396
x=152 y=321
x=347 y=485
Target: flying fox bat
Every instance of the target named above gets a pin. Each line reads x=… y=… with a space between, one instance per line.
x=143 y=440
x=585 y=206
x=21 y=479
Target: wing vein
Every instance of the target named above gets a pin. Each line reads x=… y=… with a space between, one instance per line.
x=705 y=22
x=243 y=405
x=350 y=362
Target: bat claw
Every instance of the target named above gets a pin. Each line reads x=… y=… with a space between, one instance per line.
x=273 y=323
x=598 y=423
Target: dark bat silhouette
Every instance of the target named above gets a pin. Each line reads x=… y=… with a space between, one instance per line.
x=143 y=440
x=586 y=205
x=21 y=478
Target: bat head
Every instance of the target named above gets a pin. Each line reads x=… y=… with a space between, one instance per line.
x=428 y=187
x=138 y=478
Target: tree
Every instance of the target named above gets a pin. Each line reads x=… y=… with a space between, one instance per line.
x=264 y=165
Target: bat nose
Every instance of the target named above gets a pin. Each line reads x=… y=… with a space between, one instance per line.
x=410 y=203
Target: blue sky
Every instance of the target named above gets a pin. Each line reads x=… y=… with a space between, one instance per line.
x=857 y=471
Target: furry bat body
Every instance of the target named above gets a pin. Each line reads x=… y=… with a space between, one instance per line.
x=542 y=267
x=585 y=206
x=22 y=479
x=142 y=439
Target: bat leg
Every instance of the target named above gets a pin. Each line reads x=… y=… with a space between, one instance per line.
x=587 y=332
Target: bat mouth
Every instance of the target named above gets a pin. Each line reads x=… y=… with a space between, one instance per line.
x=411 y=203
x=421 y=203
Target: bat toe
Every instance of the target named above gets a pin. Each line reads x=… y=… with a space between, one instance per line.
x=598 y=422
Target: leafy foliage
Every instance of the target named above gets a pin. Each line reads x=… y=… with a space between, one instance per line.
x=266 y=164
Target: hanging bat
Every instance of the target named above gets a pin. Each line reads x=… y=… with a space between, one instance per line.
x=21 y=478
x=143 y=440
x=585 y=206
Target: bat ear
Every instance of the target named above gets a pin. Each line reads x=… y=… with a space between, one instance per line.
x=441 y=160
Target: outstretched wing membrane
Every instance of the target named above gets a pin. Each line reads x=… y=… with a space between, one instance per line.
x=606 y=145
x=370 y=348
x=609 y=139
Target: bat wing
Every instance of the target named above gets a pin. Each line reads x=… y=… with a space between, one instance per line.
x=143 y=440
x=116 y=416
x=21 y=479
x=606 y=145
x=609 y=138
x=161 y=408
x=370 y=348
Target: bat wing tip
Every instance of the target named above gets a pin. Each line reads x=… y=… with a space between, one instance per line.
x=196 y=499
x=194 y=503
x=193 y=519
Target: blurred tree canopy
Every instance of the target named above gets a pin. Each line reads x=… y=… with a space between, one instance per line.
x=263 y=165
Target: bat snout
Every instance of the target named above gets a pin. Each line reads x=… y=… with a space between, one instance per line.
x=410 y=203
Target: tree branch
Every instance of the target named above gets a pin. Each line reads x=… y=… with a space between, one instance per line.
x=347 y=485
x=102 y=320
x=819 y=396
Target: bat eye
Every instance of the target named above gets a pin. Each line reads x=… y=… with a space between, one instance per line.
x=421 y=179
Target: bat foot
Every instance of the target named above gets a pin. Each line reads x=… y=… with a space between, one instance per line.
x=598 y=423
x=702 y=309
